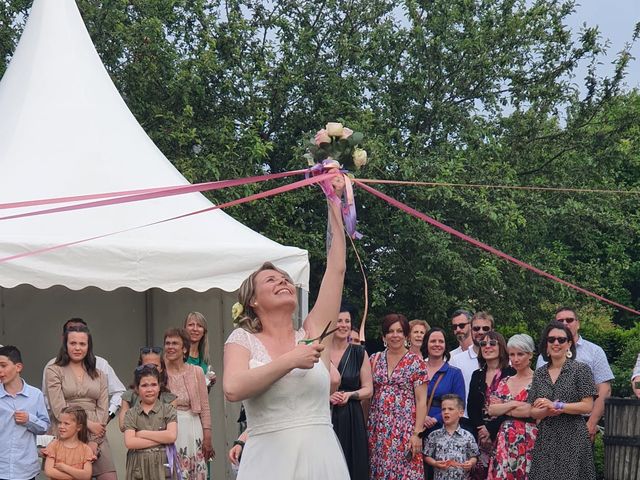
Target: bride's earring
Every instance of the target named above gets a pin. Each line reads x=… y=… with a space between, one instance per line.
x=406 y=343
x=384 y=342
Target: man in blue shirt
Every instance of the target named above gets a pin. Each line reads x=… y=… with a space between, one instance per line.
x=594 y=356
x=23 y=416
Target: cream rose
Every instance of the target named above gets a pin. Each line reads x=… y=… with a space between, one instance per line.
x=236 y=310
x=334 y=129
x=346 y=132
x=359 y=157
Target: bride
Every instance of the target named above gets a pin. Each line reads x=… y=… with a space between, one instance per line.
x=284 y=382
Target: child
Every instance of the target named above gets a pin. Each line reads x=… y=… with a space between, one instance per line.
x=151 y=428
x=23 y=416
x=148 y=356
x=450 y=450
x=69 y=457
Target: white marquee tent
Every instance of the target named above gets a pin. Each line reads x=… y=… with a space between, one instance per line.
x=65 y=130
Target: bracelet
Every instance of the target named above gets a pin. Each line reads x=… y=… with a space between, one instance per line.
x=559 y=405
x=239 y=442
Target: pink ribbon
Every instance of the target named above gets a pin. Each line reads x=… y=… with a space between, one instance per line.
x=136 y=195
x=347 y=204
x=488 y=248
x=250 y=198
x=320 y=173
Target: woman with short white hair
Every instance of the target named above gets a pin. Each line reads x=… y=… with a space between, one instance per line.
x=517 y=435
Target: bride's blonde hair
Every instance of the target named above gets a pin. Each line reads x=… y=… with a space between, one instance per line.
x=249 y=319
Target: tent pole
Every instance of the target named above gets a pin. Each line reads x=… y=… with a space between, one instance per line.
x=2 y=332
x=148 y=316
x=303 y=308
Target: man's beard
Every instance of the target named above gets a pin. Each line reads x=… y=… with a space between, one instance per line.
x=462 y=336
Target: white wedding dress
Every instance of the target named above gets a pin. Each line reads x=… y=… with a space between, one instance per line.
x=289 y=425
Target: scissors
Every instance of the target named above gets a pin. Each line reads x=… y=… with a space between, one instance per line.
x=325 y=333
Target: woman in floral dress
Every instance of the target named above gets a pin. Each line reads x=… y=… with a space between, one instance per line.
x=398 y=406
x=516 y=437
x=494 y=366
x=187 y=382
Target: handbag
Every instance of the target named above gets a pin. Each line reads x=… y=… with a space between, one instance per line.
x=433 y=392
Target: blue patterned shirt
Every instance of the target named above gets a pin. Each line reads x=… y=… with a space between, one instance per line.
x=459 y=446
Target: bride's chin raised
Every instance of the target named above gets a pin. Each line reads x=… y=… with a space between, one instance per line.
x=281 y=307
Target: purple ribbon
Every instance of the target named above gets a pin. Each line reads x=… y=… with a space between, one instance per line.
x=173 y=460
x=347 y=203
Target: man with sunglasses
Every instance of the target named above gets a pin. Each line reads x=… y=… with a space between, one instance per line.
x=461 y=326
x=594 y=356
x=115 y=386
x=467 y=361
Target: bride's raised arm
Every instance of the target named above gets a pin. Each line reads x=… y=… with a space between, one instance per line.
x=327 y=306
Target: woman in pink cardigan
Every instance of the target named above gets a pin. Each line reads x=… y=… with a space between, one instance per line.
x=187 y=382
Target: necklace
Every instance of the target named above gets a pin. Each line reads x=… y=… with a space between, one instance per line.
x=78 y=372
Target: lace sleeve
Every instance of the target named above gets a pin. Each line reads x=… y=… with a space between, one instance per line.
x=240 y=337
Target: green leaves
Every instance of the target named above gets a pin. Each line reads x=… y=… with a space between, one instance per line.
x=451 y=91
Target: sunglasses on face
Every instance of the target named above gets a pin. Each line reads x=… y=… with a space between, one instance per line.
x=566 y=320
x=484 y=328
x=146 y=350
x=146 y=366
x=77 y=328
x=459 y=326
x=560 y=340
x=488 y=343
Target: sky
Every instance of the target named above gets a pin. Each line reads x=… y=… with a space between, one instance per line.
x=616 y=20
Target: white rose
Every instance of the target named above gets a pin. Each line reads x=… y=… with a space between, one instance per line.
x=334 y=129
x=359 y=157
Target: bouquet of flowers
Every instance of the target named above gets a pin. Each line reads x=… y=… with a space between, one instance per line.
x=339 y=143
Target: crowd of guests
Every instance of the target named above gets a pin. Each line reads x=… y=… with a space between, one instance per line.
x=479 y=411
x=164 y=414
x=488 y=414
x=414 y=410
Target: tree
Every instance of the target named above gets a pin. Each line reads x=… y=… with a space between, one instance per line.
x=456 y=91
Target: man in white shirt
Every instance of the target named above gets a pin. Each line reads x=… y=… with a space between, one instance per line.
x=461 y=325
x=595 y=358
x=467 y=361
x=115 y=386
x=635 y=378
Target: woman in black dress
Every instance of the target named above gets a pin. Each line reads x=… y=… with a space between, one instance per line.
x=562 y=392
x=352 y=363
x=493 y=359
